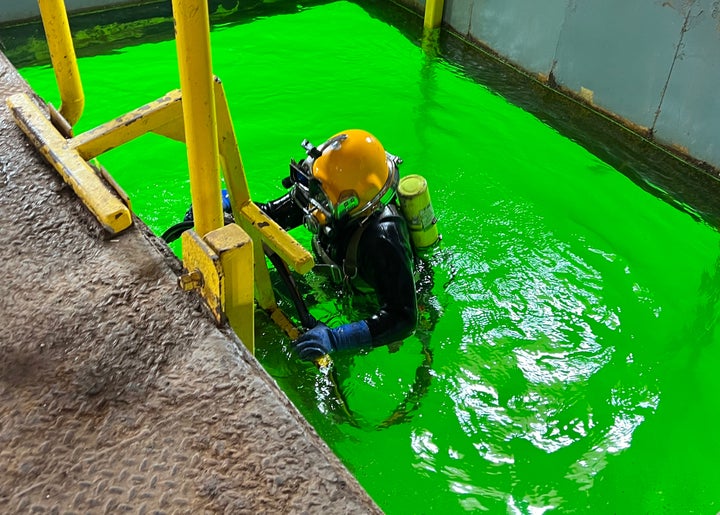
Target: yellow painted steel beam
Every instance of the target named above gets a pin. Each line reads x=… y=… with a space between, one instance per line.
x=284 y=323
x=192 y=27
x=433 y=13
x=264 y=293
x=430 y=44
x=164 y=115
x=236 y=183
x=278 y=239
x=203 y=267
x=95 y=194
x=232 y=165
x=62 y=54
x=258 y=225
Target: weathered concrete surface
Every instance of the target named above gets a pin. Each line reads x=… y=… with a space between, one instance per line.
x=117 y=392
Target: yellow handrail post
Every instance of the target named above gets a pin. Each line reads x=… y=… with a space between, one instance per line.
x=62 y=53
x=433 y=13
x=192 y=27
x=219 y=258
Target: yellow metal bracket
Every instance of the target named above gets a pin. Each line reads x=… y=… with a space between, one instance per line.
x=262 y=229
x=277 y=238
x=162 y=116
x=220 y=267
x=109 y=210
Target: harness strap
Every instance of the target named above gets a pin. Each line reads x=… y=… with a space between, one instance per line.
x=348 y=270
x=350 y=262
x=349 y=267
x=327 y=266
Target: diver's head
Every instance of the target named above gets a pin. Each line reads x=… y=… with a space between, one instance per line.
x=352 y=177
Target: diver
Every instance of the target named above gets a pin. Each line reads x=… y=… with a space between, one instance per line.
x=344 y=193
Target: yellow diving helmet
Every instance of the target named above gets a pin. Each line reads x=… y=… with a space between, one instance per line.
x=352 y=177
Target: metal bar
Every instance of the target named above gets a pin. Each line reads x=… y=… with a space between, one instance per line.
x=282 y=321
x=264 y=293
x=192 y=27
x=236 y=183
x=257 y=224
x=62 y=53
x=107 y=208
x=232 y=165
x=278 y=239
x=154 y=116
x=433 y=13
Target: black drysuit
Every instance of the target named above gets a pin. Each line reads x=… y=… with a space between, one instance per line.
x=382 y=257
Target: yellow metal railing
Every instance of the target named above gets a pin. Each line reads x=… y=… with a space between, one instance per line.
x=196 y=83
x=433 y=13
x=225 y=263
x=62 y=55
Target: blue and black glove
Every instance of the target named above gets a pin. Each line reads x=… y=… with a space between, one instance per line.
x=321 y=340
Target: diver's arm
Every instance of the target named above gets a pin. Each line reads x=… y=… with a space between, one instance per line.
x=385 y=262
x=387 y=265
x=284 y=211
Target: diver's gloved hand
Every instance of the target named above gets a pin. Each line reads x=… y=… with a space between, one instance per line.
x=321 y=340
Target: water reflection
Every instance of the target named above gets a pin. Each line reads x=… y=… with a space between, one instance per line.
x=536 y=361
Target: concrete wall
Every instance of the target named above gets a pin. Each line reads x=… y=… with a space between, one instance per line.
x=18 y=10
x=653 y=63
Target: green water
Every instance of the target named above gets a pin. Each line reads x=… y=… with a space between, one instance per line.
x=572 y=319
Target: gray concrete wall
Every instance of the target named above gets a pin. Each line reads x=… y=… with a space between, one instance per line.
x=653 y=63
x=19 y=10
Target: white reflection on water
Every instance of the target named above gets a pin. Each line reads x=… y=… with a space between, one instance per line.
x=535 y=385
x=561 y=366
x=474 y=399
x=425 y=449
x=514 y=506
x=616 y=438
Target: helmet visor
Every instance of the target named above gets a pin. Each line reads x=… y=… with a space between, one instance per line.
x=298 y=175
x=318 y=199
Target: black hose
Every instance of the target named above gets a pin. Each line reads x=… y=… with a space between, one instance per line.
x=174 y=232
x=306 y=319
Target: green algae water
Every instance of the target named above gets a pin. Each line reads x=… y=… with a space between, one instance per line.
x=566 y=356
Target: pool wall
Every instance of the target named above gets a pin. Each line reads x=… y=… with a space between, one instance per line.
x=14 y=10
x=652 y=64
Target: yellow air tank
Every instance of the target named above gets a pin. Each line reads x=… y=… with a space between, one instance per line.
x=418 y=211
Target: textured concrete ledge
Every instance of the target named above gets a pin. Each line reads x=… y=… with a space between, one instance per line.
x=117 y=392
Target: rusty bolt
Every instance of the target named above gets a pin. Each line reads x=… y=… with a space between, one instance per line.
x=190 y=281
